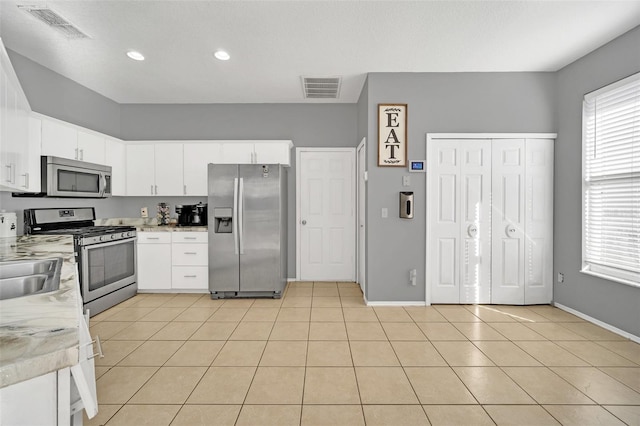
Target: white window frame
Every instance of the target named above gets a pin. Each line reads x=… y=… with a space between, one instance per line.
x=602 y=271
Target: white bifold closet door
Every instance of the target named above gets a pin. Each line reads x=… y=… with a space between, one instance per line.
x=490 y=216
x=460 y=242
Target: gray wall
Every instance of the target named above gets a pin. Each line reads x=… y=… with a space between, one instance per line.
x=608 y=301
x=437 y=102
x=51 y=94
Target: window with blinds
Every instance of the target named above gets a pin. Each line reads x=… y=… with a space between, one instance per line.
x=611 y=182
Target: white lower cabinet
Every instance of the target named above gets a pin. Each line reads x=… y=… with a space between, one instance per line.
x=173 y=261
x=189 y=260
x=154 y=261
x=57 y=398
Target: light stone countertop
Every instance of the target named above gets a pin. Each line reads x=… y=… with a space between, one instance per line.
x=39 y=333
x=148 y=225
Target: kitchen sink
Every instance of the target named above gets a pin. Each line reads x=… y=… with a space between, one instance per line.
x=28 y=277
x=23 y=268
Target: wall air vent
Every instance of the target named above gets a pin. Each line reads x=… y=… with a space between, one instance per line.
x=321 y=87
x=53 y=19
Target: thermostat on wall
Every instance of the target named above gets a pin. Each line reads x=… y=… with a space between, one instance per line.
x=416 y=166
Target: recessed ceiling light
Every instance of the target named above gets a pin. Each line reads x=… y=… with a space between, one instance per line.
x=137 y=56
x=222 y=55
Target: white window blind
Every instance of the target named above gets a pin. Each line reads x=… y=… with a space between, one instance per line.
x=611 y=184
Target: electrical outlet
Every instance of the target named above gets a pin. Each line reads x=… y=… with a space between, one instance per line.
x=144 y=212
x=560 y=277
x=384 y=213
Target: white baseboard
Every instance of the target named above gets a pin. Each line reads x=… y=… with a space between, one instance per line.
x=391 y=303
x=598 y=322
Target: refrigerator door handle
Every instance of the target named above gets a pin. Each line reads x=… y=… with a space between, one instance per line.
x=234 y=218
x=241 y=214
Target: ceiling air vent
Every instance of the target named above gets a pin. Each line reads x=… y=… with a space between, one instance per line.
x=321 y=87
x=54 y=20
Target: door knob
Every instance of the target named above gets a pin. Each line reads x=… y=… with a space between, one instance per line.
x=510 y=230
x=304 y=222
x=472 y=230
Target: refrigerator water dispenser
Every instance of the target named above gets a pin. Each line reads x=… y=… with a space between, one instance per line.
x=223 y=220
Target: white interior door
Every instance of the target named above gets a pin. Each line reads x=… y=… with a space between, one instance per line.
x=460 y=218
x=326 y=215
x=362 y=205
x=508 y=221
x=538 y=250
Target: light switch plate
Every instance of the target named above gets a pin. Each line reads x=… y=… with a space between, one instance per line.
x=406 y=180
x=144 y=212
x=385 y=213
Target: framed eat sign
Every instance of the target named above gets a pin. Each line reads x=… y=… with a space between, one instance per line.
x=392 y=135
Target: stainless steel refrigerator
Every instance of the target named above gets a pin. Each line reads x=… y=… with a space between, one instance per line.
x=247 y=209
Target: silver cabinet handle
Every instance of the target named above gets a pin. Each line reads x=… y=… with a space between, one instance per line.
x=191 y=276
x=156 y=189
x=184 y=189
x=77 y=157
x=189 y=238
x=99 y=345
x=510 y=230
x=190 y=252
x=10 y=173
x=82 y=154
x=26 y=180
x=151 y=189
x=153 y=238
x=304 y=222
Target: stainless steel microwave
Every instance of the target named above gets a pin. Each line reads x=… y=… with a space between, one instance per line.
x=62 y=177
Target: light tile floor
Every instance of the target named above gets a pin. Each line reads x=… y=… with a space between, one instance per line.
x=319 y=356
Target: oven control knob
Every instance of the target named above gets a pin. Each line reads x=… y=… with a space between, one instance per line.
x=125 y=234
x=113 y=236
x=101 y=238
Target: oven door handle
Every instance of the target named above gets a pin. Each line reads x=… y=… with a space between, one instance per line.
x=103 y=184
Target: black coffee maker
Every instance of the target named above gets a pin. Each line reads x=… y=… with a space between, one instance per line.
x=192 y=214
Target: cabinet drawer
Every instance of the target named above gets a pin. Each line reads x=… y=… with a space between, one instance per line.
x=190 y=237
x=189 y=254
x=190 y=277
x=154 y=237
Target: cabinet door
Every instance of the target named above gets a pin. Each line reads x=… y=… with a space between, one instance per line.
x=237 y=152
x=190 y=278
x=272 y=153
x=140 y=169
x=154 y=266
x=169 y=169
x=115 y=156
x=31 y=176
x=59 y=140
x=196 y=158
x=90 y=147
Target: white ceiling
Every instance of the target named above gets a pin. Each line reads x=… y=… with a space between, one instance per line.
x=273 y=43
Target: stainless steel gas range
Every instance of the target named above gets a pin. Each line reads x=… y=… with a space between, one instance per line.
x=106 y=255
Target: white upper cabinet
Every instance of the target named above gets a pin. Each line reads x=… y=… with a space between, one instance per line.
x=169 y=169
x=257 y=152
x=154 y=169
x=31 y=175
x=115 y=155
x=197 y=156
x=14 y=127
x=59 y=139
x=140 y=169
x=65 y=140
x=91 y=147
x=273 y=152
